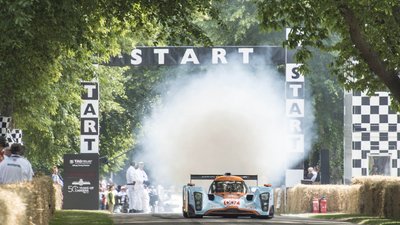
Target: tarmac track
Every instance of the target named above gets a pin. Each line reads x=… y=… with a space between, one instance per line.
x=175 y=218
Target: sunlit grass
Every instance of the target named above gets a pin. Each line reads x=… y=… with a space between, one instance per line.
x=358 y=219
x=81 y=217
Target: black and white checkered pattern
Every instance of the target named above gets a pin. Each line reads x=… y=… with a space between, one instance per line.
x=10 y=139
x=375 y=128
x=16 y=135
x=4 y=125
x=13 y=136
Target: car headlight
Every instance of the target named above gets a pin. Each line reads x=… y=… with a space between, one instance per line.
x=198 y=200
x=264 y=200
x=264 y=196
x=198 y=196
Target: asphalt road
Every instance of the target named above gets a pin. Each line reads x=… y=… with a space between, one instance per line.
x=174 y=218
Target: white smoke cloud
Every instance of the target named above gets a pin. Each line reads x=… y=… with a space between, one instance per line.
x=227 y=120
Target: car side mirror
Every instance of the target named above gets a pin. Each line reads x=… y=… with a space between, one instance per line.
x=211 y=197
x=249 y=197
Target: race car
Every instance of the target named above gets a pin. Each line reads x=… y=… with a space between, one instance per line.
x=228 y=196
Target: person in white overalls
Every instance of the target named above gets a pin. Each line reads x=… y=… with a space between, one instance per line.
x=130 y=176
x=141 y=199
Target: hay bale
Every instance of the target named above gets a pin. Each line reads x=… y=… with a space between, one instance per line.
x=43 y=195
x=340 y=198
x=380 y=196
x=13 y=208
x=391 y=201
x=37 y=197
x=58 y=196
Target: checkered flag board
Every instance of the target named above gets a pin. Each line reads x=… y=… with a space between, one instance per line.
x=10 y=139
x=4 y=125
x=16 y=135
x=376 y=131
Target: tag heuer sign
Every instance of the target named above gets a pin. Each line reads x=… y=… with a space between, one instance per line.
x=81 y=181
x=80 y=163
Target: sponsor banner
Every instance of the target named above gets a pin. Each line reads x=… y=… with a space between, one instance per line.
x=81 y=181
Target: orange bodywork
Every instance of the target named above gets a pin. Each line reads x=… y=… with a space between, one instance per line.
x=228 y=178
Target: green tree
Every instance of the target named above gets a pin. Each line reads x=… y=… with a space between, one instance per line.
x=366 y=37
x=327 y=101
x=48 y=47
x=237 y=24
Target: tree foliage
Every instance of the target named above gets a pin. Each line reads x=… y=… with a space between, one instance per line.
x=49 y=47
x=366 y=40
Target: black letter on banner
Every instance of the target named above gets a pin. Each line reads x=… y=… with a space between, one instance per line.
x=89 y=126
x=89 y=142
x=91 y=91
x=296 y=73
x=89 y=109
x=294 y=90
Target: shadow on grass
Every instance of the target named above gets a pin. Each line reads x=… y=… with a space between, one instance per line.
x=81 y=217
x=358 y=219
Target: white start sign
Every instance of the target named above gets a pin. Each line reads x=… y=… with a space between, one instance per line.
x=90 y=117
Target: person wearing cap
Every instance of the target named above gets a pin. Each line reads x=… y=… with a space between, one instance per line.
x=130 y=176
x=15 y=169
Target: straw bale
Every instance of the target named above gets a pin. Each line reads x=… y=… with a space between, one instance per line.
x=380 y=196
x=13 y=208
x=58 y=196
x=391 y=201
x=340 y=198
x=38 y=198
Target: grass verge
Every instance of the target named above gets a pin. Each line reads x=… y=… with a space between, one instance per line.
x=358 y=219
x=81 y=217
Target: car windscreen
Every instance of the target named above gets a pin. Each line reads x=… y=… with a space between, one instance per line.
x=228 y=186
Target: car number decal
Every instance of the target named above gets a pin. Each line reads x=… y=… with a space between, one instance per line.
x=231 y=202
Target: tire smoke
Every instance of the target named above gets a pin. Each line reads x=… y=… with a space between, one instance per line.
x=228 y=119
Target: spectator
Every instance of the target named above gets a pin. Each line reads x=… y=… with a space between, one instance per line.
x=102 y=198
x=124 y=200
x=3 y=145
x=312 y=174
x=111 y=198
x=374 y=170
x=56 y=177
x=130 y=176
x=7 y=151
x=15 y=168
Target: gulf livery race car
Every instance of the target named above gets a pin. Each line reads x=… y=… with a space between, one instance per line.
x=227 y=196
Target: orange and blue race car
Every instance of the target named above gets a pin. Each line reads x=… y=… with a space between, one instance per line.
x=228 y=196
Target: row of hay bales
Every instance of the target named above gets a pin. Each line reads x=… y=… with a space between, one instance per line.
x=373 y=195
x=30 y=203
